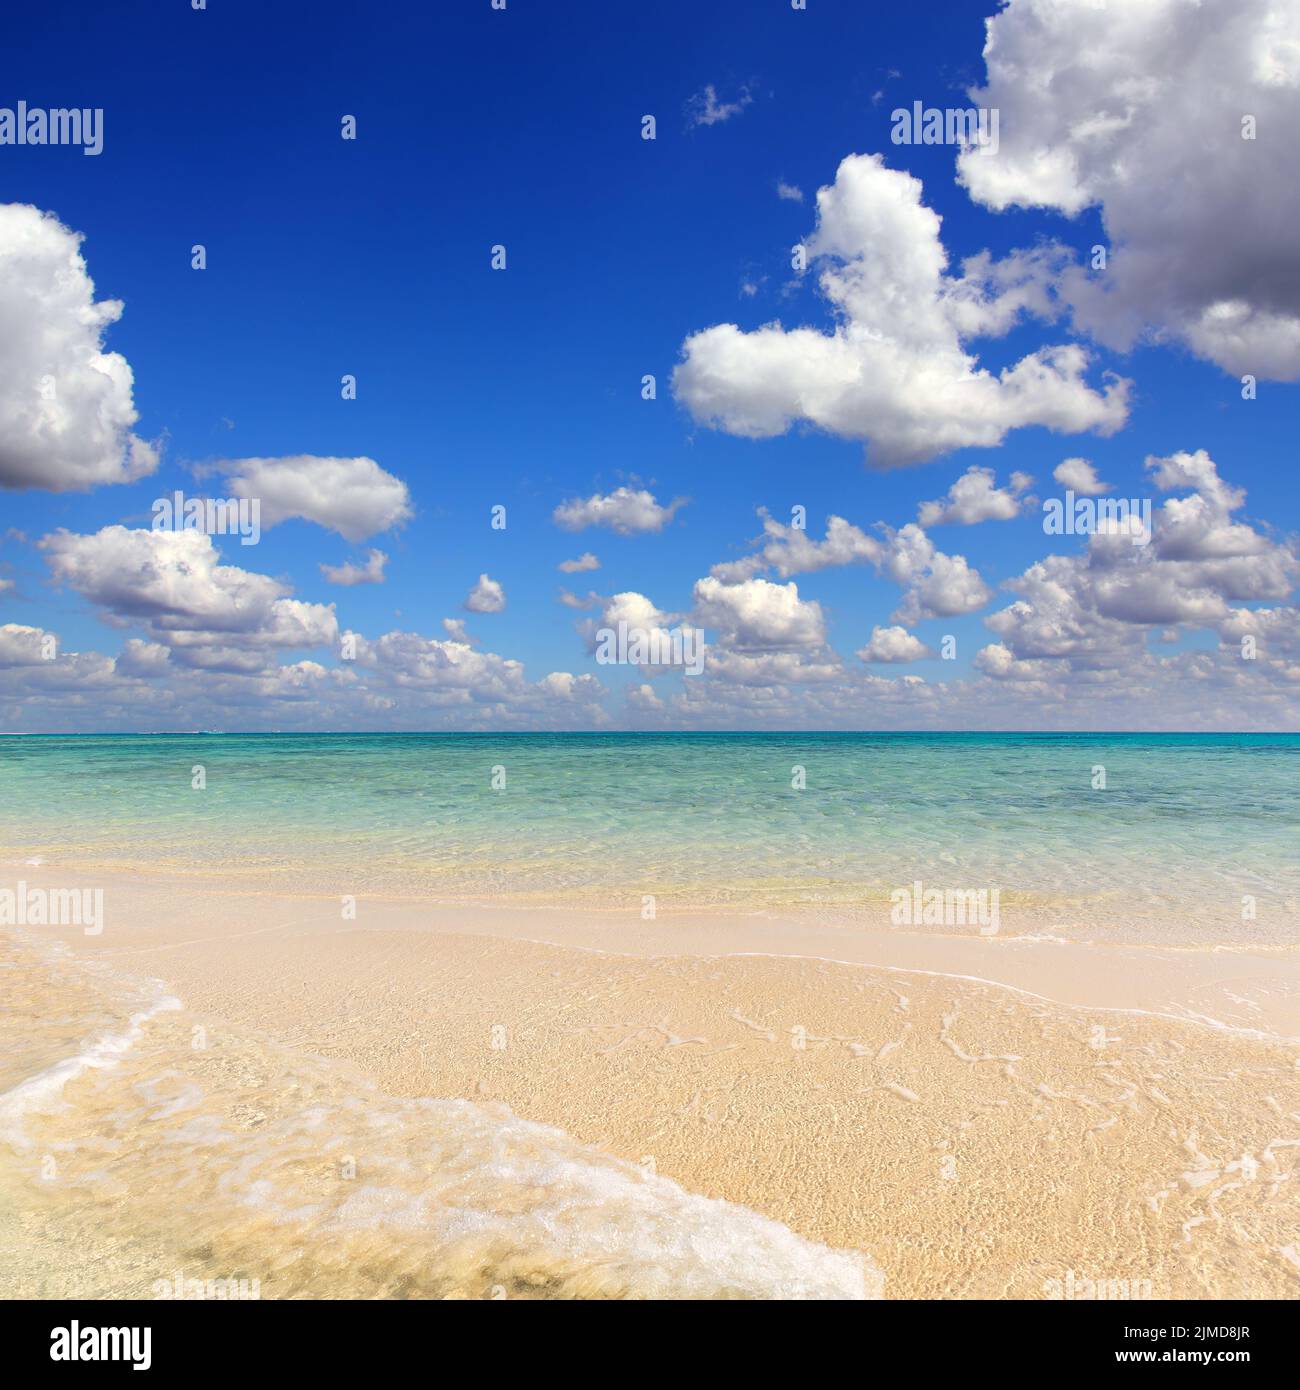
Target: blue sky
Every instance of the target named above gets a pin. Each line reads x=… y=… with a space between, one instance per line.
x=522 y=387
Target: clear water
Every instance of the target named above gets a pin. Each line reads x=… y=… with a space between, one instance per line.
x=1188 y=824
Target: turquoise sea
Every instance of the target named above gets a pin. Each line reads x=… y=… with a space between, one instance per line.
x=1186 y=827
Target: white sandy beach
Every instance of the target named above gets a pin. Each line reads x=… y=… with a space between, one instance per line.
x=982 y=1117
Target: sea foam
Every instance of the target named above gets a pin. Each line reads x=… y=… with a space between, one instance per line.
x=299 y=1172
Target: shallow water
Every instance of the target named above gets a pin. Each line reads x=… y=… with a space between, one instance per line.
x=1187 y=829
x=178 y=1148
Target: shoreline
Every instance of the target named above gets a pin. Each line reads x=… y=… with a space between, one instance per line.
x=1249 y=989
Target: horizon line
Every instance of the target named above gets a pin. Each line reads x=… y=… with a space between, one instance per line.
x=608 y=733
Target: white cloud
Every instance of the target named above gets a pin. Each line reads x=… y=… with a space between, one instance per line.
x=24 y=646
x=407 y=658
x=1227 y=555
x=434 y=674
x=1137 y=109
x=936 y=584
x=487 y=596
x=565 y=686
x=66 y=406
x=975 y=497
x=639 y=614
x=348 y=574
x=766 y=670
x=1094 y=611
x=586 y=561
x=572 y=600
x=788 y=192
x=758 y=632
x=1276 y=631
x=893 y=644
x=788 y=549
x=1080 y=476
x=173 y=582
x=623 y=511
x=352 y=496
x=636 y=610
x=643 y=699
x=893 y=372
x=704 y=108
x=145 y=659
x=757 y=614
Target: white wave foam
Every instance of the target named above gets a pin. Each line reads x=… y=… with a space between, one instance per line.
x=326 y=1186
x=452 y=1199
x=41 y=1092
x=530 y=1203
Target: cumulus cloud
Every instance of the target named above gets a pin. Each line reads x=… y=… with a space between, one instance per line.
x=894 y=371
x=1276 y=632
x=173 y=582
x=1080 y=476
x=636 y=610
x=352 y=496
x=1139 y=110
x=893 y=645
x=773 y=670
x=975 y=497
x=409 y=658
x=756 y=614
x=450 y=674
x=145 y=659
x=625 y=511
x=637 y=613
x=936 y=584
x=25 y=646
x=642 y=699
x=788 y=192
x=757 y=631
x=586 y=561
x=487 y=596
x=1094 y=611
x=789 y=549
x=66 y=405
x=348 y=574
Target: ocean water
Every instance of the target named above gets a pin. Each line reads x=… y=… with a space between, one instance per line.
x=1186 y=828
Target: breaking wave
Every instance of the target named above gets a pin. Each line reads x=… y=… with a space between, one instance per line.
x=233 y=1157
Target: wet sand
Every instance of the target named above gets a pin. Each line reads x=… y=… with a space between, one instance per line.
x=984 y=1118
